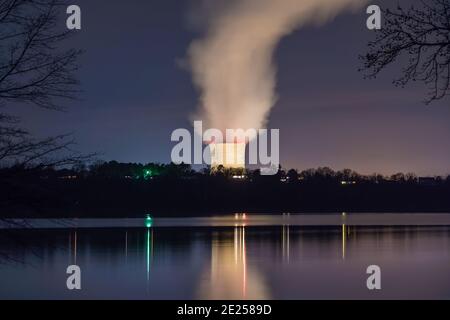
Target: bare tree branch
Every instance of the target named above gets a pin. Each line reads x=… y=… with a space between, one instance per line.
x=34 y=69
x=422 y=35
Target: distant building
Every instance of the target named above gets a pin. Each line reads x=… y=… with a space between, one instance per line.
x=427 y=181
x=348 y=182
x=68 y=177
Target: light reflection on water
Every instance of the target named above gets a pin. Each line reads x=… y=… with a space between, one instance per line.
x=229 y=276
x=231 y=262
x=242 y=219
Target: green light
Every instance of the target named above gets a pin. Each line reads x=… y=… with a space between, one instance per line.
x=148 y=254
x=148 y=221
x=148 y=174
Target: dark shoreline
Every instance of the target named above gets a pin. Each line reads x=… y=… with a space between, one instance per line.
x=197 y=198
x=199 y=215
x=116 y=190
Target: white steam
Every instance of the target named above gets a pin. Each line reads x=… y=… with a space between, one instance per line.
x=232 y=65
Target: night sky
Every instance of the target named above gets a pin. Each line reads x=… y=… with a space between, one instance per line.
x=135 y=94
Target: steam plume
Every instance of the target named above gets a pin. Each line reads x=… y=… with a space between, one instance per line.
x=232 y=65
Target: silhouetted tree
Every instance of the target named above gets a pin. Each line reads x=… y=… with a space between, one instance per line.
x=292 y=176
x=307 y=174
x=422 y=36
x=376 y=178
x=34 y=70
x=398 y=177
x=411 y=177
x=218 y=170
x=325 y=173
x=348 y=175
x=177 y=170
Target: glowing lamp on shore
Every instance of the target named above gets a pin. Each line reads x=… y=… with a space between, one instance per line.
x=148 y=221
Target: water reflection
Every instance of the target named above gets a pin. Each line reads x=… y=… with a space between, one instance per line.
x=149 y=253
x=73 y=240
x=126 y=245
x=229 y=275
x=344 y=236
x=238 y=262
x=286 y=243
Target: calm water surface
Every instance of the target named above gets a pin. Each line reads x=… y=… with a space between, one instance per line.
x=233 y=257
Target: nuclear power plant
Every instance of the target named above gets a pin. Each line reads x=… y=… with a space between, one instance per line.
x=228 y=155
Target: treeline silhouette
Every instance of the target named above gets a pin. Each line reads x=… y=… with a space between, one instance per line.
x=113 y=189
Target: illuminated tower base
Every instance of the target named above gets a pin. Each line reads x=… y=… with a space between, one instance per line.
x=229 y=155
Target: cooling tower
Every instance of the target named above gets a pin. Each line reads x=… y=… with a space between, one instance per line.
x=229 y=155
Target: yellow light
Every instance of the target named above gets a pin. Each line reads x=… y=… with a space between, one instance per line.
x=229 y=155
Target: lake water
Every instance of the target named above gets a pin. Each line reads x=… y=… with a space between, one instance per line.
x=229 y=257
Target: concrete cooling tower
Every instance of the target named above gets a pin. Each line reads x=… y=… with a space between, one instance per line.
x=229 y=155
